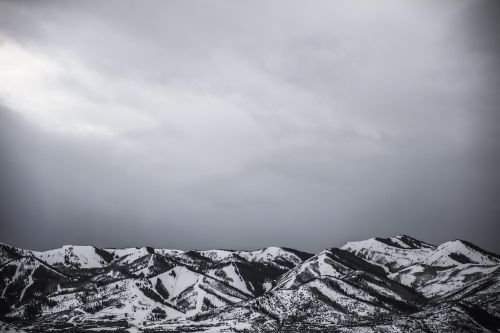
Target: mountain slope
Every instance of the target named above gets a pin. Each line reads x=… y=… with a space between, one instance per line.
x=194 y=292
x=434 y=281
x=8 y=253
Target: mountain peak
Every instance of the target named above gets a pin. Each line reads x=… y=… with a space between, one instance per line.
x=461 y=252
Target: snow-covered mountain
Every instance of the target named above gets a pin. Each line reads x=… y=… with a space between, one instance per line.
x=391 y=253
x=73 y=256
x=395 y=284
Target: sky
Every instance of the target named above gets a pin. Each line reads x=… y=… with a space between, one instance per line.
x=227 y=124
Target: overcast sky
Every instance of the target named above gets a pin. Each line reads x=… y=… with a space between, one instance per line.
x=229 y=124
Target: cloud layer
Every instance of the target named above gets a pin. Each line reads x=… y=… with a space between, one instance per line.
x=231 y=125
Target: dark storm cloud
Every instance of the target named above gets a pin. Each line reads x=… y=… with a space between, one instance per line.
x=247 y=125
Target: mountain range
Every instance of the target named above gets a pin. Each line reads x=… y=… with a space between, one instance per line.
x=394 y=284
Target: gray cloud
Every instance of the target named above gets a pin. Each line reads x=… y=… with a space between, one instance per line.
x=247 y=125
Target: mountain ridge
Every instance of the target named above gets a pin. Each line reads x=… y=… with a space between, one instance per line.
x=372 y=285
